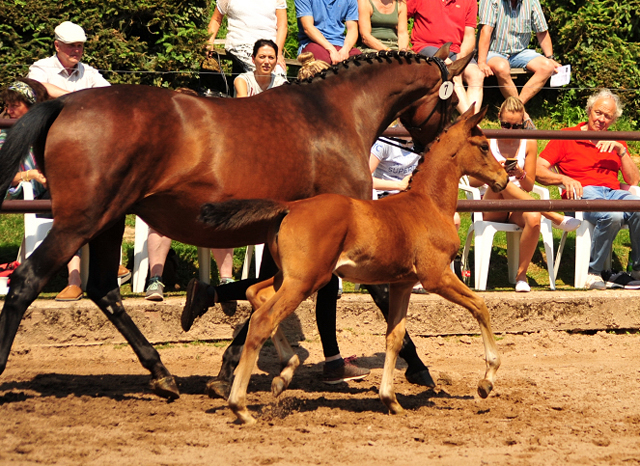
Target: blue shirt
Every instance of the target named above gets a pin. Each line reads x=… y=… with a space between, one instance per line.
x=329 y=17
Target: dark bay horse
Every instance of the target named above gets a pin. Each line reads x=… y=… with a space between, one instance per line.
x=161 y=155
x=399 y=240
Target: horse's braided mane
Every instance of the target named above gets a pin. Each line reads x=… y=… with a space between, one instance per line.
x=368 y=57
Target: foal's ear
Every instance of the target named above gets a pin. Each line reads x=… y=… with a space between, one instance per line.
x=474 y=120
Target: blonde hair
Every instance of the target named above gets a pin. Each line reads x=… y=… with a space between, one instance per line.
x=511 y=104
x=310 y=66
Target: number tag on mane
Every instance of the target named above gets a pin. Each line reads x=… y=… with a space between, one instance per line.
x=446 y=90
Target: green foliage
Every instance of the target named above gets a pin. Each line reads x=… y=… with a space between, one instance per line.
x=132 y=40
x=601 y=41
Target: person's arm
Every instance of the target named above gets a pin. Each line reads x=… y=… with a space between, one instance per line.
x=314 y=35
x=544 y=39
x=28 y=175
x=214 y=26
x=403 y=28
x=241 y=87
x=483 y=49
x=629 y=169
x=364 y=25
x=468 y=42
x=281 y=34
x=390 y=185
x=53 y=90
x=350 y=40
x=527 y=176
x=548 y=177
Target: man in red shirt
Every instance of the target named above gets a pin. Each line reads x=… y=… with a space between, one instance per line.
x=437 y=22
x=588 y=169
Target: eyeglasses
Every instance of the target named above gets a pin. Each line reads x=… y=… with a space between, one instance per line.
x=506 y=125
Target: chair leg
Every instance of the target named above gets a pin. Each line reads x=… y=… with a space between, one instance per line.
x=140 y=256
x=482 y=254
x=556 y=264
x=204 y=262
x=547 y=239
x=246 y=265
x=583 y=253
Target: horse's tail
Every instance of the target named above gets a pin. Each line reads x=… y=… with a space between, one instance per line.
x=240 y=213
x=30 y=131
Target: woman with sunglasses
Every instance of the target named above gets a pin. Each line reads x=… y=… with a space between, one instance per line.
x=522 y=178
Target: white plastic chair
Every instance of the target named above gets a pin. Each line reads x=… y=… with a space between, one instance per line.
x=484 y=231
x=36 y=229
x=584 y=234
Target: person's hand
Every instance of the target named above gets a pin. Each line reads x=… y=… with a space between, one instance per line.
x=404 y=184
x=334 y=55
x=573 y=188
x=610 y=146
x=38 y=176
x=343 y=53
x=486 y=69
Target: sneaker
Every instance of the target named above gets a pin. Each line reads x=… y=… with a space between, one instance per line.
x=348 y=371
x=198 y=302
x=226 y=281
x=595 y=282
x=419 y=289
x=155 y=289
x=522 y=286
x=568 y=224
x=622 y=280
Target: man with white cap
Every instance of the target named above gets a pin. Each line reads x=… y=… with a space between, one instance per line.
x=63 y=72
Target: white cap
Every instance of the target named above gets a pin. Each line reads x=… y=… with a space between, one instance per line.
x=70 y=33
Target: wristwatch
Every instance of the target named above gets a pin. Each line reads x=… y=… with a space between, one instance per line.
x=551 y=57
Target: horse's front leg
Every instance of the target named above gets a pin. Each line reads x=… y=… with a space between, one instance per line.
x=399 y=295
x=258 y=295
x=103 y=290
x=451 y=288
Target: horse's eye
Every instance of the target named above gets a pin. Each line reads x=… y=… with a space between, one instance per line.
x=484 y=146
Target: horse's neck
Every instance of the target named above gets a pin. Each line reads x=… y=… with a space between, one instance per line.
x=437 y=178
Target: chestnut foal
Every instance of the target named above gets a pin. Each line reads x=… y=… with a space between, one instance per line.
x=399 y=240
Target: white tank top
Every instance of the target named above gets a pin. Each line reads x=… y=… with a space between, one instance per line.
x=520 y=156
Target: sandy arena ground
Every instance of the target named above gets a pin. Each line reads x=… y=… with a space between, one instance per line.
x=560 y=398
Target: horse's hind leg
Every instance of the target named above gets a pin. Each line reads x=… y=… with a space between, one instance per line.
x=417 y=372
x=451 y=288
x=103 y=290
x=400 y=293
x=28 y=280
x=258 y=295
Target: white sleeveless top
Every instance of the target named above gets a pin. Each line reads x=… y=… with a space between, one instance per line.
x=253 y=88
x=520 y=156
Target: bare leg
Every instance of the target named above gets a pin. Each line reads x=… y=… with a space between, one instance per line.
x=502 y=71
x=475 y=80
x=400 y=293
x=542 y=69
x=158 y=246
x=224 y=260
x=73 y=267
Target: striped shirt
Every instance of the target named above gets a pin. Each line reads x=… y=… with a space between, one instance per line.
x=512 y=26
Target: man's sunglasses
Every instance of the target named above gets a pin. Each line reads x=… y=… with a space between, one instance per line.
x=506 y=125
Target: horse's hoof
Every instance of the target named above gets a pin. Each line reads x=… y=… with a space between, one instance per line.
x=278 y=386
x=421 y=377
x=165 y=387
x=245 y=418
x=218 y=388
x=484 y=388
x=396 y=409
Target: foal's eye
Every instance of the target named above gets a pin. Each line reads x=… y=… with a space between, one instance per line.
x=484 y=146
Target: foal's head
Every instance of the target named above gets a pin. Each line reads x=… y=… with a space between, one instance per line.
x=473 y=154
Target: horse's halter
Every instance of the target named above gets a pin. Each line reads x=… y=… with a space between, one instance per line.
x=444 y=73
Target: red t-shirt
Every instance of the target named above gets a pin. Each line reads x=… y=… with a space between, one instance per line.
x=437 y=22
x=583 y=161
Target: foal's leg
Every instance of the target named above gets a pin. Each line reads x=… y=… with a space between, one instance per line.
x=263 y=323
x=103 y=290
x=451 y=288
x=416 y=373
x=258 y=295
x=400 y=293
x=28 y=280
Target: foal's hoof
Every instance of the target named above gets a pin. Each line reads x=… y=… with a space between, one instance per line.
x=218 y=388
x=421 y=377
x=484 y=388
x=165 y=387
x=278 y=386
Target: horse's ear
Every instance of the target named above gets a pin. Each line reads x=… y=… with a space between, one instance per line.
x=443 y=52
x=459 y=65
x=474 y=120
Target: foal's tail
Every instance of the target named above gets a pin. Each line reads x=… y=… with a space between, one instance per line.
x=241 y=213
x=30 y=131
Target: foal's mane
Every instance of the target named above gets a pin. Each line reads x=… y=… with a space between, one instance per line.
x=380 y=57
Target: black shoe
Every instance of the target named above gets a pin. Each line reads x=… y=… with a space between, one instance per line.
x=197 y=303
x=623 y=280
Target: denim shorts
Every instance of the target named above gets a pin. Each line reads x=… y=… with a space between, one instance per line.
x=516 y=60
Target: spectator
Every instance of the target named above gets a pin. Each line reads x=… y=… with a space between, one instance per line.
x=321 y=26
x=383 y=25
x=253 y=83
x=248 y=21
x=504 y=38
x=158 y=247
x=437 y=22
x=60 y=74
x=18 y=98
x=310 y=66
x=522 y=178
x=588 y=169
